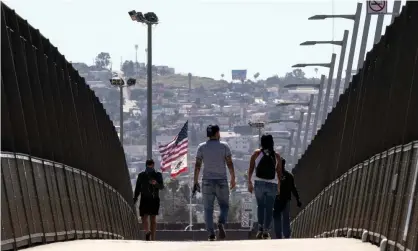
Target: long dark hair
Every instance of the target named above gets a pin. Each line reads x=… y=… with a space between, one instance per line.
x=267 y=143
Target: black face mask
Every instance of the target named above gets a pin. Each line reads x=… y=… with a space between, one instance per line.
x=149 y=170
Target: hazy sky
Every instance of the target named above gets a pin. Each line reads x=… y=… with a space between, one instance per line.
x=204 y=37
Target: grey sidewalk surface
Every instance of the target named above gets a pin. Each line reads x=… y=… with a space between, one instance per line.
x=325 y=244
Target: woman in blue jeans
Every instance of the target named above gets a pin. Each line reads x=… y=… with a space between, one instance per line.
x=267 y=165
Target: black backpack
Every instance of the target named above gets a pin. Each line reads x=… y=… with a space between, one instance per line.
x=266 y=168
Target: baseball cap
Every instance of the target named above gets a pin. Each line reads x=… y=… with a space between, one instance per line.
x=211 y=130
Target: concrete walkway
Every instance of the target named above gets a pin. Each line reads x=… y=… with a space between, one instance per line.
x=329 y=244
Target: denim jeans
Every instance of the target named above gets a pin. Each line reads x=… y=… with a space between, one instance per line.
x=265 y=194
x=210 y=190
x=282 y=222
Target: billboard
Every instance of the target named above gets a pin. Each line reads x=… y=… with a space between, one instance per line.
x=239 y=75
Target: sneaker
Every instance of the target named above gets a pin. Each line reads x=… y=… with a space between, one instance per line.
x=148 y=236
x=259 y=235
x=212 y=237
x=221 y=233
x=266 y=235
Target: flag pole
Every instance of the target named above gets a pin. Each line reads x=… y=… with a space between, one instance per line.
x=190 y=178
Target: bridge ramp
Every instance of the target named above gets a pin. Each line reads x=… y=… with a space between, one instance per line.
x=325 y=244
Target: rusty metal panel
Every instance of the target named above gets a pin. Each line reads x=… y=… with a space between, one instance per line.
x=13 y=191
x=43 y=200
x=362 y=175
x=105 y=209
x=7 y=205
x=65 y=201
x=92 y=204
x=72 y=194
x=100 y=207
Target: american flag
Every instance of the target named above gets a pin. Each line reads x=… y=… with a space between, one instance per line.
x=174 y=154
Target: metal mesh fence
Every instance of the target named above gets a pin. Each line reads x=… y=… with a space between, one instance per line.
x=378 y=111
x=379 y=195
x=45 y=201
x=64 y=173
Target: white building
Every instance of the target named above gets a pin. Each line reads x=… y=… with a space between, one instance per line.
x=260 y=116
x=236 y=142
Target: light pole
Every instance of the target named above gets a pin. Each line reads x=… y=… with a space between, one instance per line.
x=331 y=66
x=136 y=60
x=289 y=151
x=308 y=118
x=363 y=44
x=396 y=9
x=320 y=88
x=120 y=83
x=286 y=150
x=356 y=18
x=299 y=131
x=378 y=31
x=343 y=44
x=295 y=155
x=149 y=19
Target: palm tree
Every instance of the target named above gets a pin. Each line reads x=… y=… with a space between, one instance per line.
x=222 y=76
x=256 y=76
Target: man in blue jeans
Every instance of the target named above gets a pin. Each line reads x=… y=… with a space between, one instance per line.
x=282 y=204
x=267 y=166
x=215 y=155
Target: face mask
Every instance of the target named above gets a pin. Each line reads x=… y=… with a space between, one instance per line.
x=149 y=169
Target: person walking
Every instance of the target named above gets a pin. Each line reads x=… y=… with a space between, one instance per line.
x=281 y=212
x=148 y=184
x=214 y=155
x=268 y=170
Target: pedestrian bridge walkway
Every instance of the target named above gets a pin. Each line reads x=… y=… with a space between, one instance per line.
x=332 y=244
x=64 y=176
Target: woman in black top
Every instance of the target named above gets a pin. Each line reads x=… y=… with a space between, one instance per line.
x=148 y=184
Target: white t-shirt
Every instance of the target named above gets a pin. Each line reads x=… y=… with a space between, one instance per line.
x=257 y=160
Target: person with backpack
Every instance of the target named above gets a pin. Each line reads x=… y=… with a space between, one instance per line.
x=268 y=170
x=281 y=213
x=148 y=185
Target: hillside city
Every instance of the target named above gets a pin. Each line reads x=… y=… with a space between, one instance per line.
x=202 y=101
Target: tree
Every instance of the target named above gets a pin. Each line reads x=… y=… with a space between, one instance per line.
x=175 y=202
x=103 y=60
x=273 y=81
x=256 y=76
x=296 y=73
x=222 y=76
x=128 y=68
x=234 y=212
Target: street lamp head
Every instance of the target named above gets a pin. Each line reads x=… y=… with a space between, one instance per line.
x=151 y=18
x=117 y=81
x=318 y=17
x=308 y=43
x=313 y=64
x=299 y=65
x=131 y=82
x=140 y=17
x=315 y=86
x=132 y=14
x=137 y=16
